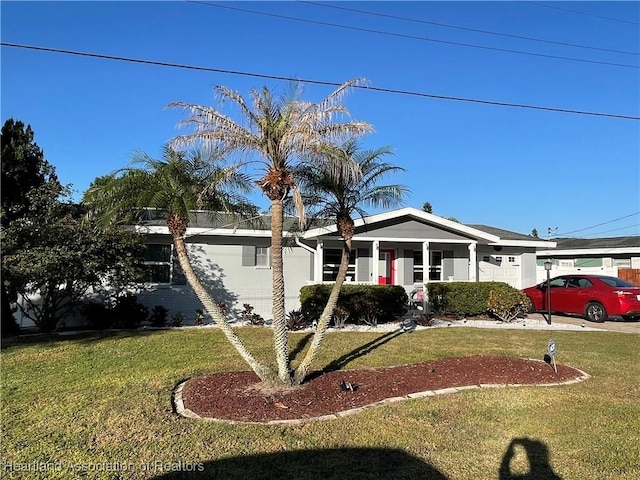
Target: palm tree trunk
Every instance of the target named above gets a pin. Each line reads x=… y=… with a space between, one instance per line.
x=281 y=343
x=323 y=324
x=264 y=372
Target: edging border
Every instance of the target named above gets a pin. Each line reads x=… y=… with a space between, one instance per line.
x=185 y=412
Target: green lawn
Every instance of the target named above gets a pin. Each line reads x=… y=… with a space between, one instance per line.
x=101 y=402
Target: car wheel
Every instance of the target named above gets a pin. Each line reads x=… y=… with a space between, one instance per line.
x=595 y=312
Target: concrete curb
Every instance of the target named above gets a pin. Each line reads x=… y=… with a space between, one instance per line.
x=185 y=412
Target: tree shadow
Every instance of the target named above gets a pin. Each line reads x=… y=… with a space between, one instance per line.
x=180 y=297
x=341 y=362
x=329 y=464
x=301 y=345
x=537 y=456
x=79 y=336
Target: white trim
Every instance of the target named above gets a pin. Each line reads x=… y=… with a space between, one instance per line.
x=192 y=232
x=411 y=212
x=589 y=251
x=524 y=243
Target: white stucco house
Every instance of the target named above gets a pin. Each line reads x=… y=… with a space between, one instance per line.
x=406 y=247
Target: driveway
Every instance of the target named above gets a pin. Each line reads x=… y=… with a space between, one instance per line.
x=610 y=325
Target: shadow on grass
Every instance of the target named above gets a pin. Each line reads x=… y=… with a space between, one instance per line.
x=331 y=464
x=75 y=336
x=537 y=456
x=353 y=463
x=361 y=351
x=301 y=345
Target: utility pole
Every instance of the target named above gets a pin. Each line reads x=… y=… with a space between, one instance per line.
x=550 y=230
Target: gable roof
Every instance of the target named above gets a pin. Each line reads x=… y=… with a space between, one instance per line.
x=489 y=235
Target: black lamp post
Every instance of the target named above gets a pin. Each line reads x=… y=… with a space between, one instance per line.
x=547 y=267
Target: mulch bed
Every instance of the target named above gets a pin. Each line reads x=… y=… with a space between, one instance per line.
x=238 y=396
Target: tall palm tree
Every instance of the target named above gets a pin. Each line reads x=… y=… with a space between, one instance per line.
x=340 y=197
x=282 y=133
x=173 y=186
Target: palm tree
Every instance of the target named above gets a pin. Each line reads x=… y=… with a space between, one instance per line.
x=283 y=132
x=173 y=186
x=340 y=197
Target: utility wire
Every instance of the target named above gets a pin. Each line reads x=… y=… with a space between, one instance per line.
x=413 y=37
x=598 y=225
x=469 y=29
x=583 y=13
x=613 y=230
x=315 y=82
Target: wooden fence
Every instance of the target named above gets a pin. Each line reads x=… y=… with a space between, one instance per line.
x=630 y=275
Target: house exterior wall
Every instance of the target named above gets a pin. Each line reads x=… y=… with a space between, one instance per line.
x=218 y=263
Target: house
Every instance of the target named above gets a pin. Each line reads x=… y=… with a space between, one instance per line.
x=617 y=257
x=406 y=247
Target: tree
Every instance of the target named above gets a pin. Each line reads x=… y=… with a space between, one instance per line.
x=283 y=132
x=340 y=197
x=56 y=258
x=426 y=207
x=24 y=170
x=534 y=233
x=173 y=186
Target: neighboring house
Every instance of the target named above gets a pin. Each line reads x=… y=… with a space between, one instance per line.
x=405 y=247
x=617 y=257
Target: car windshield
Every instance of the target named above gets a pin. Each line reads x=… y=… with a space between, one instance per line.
x=617 y=282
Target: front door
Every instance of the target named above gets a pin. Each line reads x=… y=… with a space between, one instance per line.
x=385 y=267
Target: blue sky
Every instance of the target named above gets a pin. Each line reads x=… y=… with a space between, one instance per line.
x=512 y=168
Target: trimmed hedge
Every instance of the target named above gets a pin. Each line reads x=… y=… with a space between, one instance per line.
x=466 y=299
x=385 y=302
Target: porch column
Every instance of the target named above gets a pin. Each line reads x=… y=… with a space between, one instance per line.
x=425 y=262
x=376 y=262
x=319 y=260
x=473 y=262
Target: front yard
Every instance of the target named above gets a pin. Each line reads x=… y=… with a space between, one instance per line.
x=99 y=406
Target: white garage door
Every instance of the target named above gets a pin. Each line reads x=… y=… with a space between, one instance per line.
x=500 y=268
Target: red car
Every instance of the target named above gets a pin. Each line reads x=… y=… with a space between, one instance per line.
x=597 y=297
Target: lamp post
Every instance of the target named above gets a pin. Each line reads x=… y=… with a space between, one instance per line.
x=547 y=267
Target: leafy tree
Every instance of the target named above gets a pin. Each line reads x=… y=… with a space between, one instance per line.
x=340 y=197
x=56 y=258
x=534 y=233
x=426 y=207
x=173 y=186
x=24 y=170
x=283 y=132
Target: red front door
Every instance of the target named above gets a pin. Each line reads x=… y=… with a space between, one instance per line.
x=385 y=267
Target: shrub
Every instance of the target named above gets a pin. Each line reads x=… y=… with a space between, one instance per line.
x=249 y=316
x=340 y=316
x=296 y=320
x=158 y=317
x=199 y=318
x=98 y=315
x=177 y=319
x=507 y=304
x=359 y=301
x=128 y=312
x=467 y=299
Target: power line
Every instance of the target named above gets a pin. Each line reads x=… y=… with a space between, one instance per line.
x=598 y=225
x=413 y=37
x=315 y=82
x=469 y=29
x=613 y=230
x=583 y=13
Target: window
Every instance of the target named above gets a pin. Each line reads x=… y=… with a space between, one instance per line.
x=262 y=257
x=331 y=264
x=418 y=266
x=512 y=259
x=157 y=261
x=435 y=266
x=486 y=258
x=253 y=256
